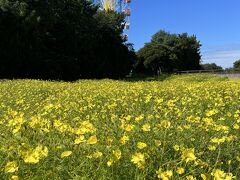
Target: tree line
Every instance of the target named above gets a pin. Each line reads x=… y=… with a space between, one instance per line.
x=73 y=39
x=168 y=53
x=61 y=39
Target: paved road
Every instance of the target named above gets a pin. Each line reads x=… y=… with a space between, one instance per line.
x=230 y=76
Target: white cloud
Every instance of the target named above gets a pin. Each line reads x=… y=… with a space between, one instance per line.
x=222 y=57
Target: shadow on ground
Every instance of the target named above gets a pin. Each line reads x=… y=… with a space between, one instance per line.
x=141 y=77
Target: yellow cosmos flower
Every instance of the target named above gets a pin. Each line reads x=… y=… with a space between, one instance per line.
x=129 y=127
x=164 y=175
x=218 y=140
x=157 y=143
x=92 y=140
x=32 y=159
x=176 y=147
x=66 y=154
x=179 y=129
x=236 y=126
x=97 y=154
x=124 y=139
x=221 y=175
x=180 y=170
x=165 y=124
x=204 y=177
x=140 y=117
x=211 y=112
x=141 y=145
x=212 y=147
x=14 y=178
x=128 y=117
x=117 y=154
x=146 y=127
x=110 y=162
x=79 y=140
x=188 y=155
x=190 y=177
x=229 y=114
x=138 y=159
x=33 y=156
x=11 y=167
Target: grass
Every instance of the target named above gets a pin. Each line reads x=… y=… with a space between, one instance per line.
x=184 y=127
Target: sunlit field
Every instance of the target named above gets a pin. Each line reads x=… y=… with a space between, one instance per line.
x=185 y=127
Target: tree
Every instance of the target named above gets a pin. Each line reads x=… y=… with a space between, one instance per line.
x=157 y=57
x=65 y=39
x=170 y=52
x=187 y=51
x=211 y=66
x=236 y=64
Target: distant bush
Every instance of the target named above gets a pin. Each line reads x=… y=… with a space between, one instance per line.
x=211 y=66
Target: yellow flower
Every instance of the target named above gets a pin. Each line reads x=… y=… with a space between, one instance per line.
x=92 y=140
x=211 y=112
x=14 y=178
x=218 y=174
x=236 y=126
x=218 y=140
x=179 y=129
x=124 y=139
x=66 y=154
x=129 y=127
x=11 y=167
x=97 y=154
x=212 y=147
x=146 y=127
x=157 y=142
x=190 y=177
x=238 y=158
x=141 y=145
x=188 y=155
x=164 y=175
x=139 y=160
x=109 y=163
x=79 y=140
x=180 y=170
x=229 y=176
x=204 y=177
x=42 y=151
x=140 y=117
x=229 y=114
x=221 y=175
x=165 y=124
x=117 y=153
x=32 y=159
x=33 y=156
x=176 y=147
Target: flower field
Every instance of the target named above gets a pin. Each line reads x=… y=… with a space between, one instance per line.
x=186 y=127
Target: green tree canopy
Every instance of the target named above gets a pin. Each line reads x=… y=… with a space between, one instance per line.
x=170 y=52
x=236 y=64
x=211 y=66
x=65 y=39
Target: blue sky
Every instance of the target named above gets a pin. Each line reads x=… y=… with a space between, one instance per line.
x=216 y=23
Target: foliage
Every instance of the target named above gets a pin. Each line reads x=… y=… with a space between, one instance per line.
x=211 y=66
x=66 y=39
x=186 y=127
x=170 y=52
x=236 y=64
